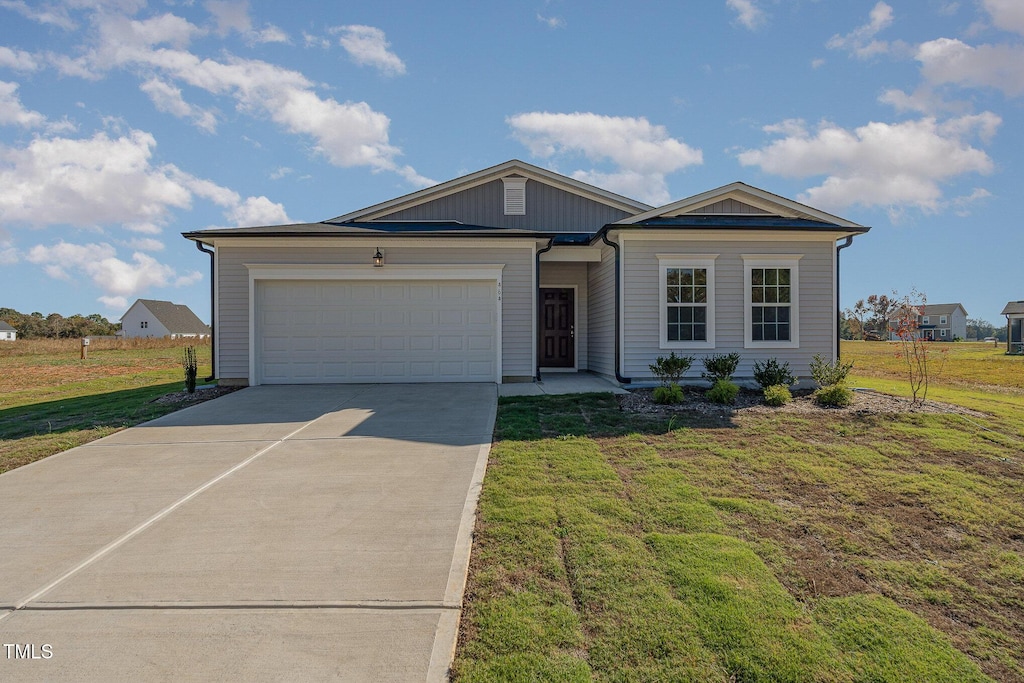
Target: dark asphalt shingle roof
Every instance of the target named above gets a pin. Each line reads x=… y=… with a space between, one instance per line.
x=177 y=318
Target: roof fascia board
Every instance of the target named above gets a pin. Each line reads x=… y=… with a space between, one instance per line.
x=775 y=235
x=752 y=193
x=361 y=241
x=485 y=176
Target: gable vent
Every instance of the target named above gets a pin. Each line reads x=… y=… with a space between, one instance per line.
x=515 y=196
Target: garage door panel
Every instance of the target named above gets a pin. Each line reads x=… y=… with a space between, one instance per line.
x=376 y=332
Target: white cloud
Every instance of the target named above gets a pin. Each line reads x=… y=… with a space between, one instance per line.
x=923 y=100
x=281 y=172
x=368 y=46
x=879 y=164
x=87 y=182
x=747 y=13
x=99 y=262
x=233 y=15
x=861 y=41
x=551 y=22
x=643 y=153
x=947 y=60
x=1007 y=14
x=8 y=254
x=348 y=134
x=52 y=15
x=167 y=98
x=114 y=303
x=12 y=112
x=17 y=60
x=144 y=244
x=258 y=211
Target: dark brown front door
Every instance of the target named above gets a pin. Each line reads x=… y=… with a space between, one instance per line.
x=557 y=328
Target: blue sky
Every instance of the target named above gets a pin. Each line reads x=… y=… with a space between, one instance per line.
x=124 y=123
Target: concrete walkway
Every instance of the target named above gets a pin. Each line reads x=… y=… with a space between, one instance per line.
x=277 y=533
x=561 y=383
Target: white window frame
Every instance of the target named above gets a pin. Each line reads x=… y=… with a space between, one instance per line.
x=942 y=333
x=942 y=320
x=924 y=320
x=791 y=261
x=704 y=261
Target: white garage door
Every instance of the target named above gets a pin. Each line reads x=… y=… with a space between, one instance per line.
x=353 y=331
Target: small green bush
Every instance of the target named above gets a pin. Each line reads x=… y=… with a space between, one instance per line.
x=834 y=396
x=827 y=373
x=670 y=370
x=720 y=366
x=191 y=366
x=777 y=395
x=671 y=393
x=770 y=374
x=723 y=392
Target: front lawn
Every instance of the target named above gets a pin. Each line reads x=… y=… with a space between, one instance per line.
x=770 y=546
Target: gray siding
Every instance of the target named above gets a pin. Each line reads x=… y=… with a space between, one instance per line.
x=730 y=207
x=643 y=299
x=547 y=208
x=601 y=332
x=517 y=293
x=553 y=273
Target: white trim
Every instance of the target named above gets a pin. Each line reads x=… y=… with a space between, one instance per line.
x=620 y=284
x=791 y=261
x=943 y=320
x=289 y=271
x=702 y=261
x=371 y=243
x=215 y=313
x=731 y=235
x=748 y=194
x=514 y=195
x=575 y=329
x=534 y=323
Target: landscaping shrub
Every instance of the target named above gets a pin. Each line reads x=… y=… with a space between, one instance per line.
x=723 y=392
x=720 y=366
x=777 y=395
x=828 y=373
x=191 y=367
x=671 y=393
x=770 y=374
x=670 y=370
x=834 y=396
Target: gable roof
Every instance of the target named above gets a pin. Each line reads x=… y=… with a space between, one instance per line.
x=1013 y=308
x=177 y=318
x=4 y=327
x=511 y=167
x=941 y=309
x=741 y=206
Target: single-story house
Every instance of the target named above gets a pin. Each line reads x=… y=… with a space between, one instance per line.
x=7 y=333
x=151 y=318
x=514 y=271
x=939 y=322
x=1014 y=312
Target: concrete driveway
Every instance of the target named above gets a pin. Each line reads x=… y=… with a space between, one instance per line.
x=277 y=533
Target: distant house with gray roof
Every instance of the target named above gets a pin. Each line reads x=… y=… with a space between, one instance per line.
x=7 y=333
x=939 y=322
x=151 y=318
x=1014 y=312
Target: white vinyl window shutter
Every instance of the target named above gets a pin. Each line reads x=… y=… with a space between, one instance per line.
x=515 y=196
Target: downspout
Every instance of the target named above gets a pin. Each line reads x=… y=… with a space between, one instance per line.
x=539 y=307
x=213 y=313
x=618 y=313
x=840 y=247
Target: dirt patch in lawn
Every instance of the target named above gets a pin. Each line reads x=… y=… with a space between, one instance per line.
x=183 y=399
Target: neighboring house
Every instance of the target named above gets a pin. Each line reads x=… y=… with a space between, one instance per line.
x=513 y=271
x=149 y=318
x=7 y=333
x=1014 y=312
x=939 y=322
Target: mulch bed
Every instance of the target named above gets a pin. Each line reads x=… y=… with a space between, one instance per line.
x=865 y=402
x=183 y=399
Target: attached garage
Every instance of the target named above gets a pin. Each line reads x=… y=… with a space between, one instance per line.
x=351 y=330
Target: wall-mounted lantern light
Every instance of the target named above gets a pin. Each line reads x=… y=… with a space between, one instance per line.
x=378 y=259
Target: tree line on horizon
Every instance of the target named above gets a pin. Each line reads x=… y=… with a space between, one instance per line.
x=55 y=326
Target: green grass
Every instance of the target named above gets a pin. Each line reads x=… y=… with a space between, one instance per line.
x=769 y=547
x=53 y=400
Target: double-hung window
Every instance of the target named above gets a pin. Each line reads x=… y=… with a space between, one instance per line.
x=687 y=306
x=771 y=312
